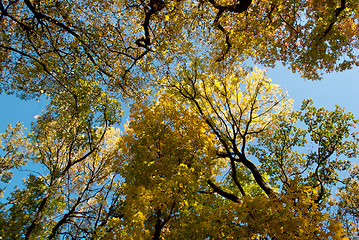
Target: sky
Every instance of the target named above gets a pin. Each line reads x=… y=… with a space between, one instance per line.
x=13 y=110
x=338 y=88
x=334 y=89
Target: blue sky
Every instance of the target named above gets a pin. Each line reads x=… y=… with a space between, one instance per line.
x=14 y=110
x=335 y=89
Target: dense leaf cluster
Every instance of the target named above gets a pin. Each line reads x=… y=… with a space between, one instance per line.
x=212 y=149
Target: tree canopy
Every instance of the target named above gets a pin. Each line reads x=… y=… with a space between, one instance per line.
x=212 y=148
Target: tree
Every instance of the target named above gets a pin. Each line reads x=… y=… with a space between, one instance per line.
x=348 y=204
x=212 y=149
x=125 y=44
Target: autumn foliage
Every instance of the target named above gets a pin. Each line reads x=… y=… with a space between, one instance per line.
x=210 y=148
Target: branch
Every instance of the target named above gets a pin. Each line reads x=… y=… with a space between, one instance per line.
x=240 y=7
x=224 y=194
x=242 y=159
x=160 y=224
x=235 y=179
x=256 y=174
x=39 y=16
x=155 y=6
x=337 y=13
